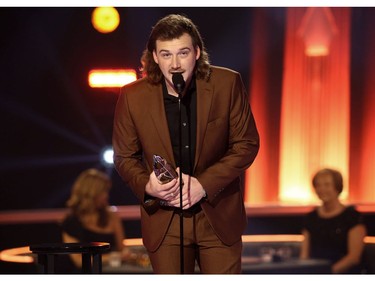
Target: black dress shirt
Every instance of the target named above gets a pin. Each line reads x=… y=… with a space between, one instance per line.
x=188 y=125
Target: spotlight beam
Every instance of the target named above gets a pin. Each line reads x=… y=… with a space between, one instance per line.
x=37 y=161
x=30 y=115
x=73 y=93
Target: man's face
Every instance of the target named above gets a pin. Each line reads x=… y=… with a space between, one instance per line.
x=176 y=56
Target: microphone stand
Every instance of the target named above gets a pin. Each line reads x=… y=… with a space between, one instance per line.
x=179 y=85
x=181 y=214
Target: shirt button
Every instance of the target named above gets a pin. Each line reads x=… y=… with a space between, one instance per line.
x=184 y=124
x=186 y=146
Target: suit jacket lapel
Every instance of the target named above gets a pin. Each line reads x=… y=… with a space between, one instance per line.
x=204 y=99
x=157 y=112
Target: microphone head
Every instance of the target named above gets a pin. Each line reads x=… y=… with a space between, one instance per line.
x=178 y=82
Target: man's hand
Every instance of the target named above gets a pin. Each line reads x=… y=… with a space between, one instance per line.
x=192 y=193
x=166 y=191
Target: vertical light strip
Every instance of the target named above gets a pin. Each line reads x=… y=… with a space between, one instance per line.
x=261 y=181
x=315 y=109
x=256 y=180
x=366 y=187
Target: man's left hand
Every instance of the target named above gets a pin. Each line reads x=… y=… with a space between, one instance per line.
x=192 y=193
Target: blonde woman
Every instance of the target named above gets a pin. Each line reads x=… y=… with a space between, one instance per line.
x=90 y=218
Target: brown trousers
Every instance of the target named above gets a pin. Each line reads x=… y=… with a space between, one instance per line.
x=201 y=247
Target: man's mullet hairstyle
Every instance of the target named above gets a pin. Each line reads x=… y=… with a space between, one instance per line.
x=169 y=28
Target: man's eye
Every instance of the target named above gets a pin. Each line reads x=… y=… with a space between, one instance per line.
x=166 y=55
x=184 y=54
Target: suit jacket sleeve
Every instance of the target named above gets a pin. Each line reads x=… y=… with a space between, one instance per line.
x=128 y=150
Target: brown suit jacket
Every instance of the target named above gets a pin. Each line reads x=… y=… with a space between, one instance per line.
x=227 y=143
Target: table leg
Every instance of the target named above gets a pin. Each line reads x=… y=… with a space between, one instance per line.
x=86 y=263
x=97 y=263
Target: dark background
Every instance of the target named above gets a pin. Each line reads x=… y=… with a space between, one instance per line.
x=53 y=125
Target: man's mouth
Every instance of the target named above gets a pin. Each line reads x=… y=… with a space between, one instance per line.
x=176 y=72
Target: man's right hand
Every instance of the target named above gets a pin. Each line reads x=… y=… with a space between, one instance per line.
x=165 y=191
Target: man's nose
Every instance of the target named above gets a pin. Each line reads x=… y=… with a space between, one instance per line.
x=176 y=62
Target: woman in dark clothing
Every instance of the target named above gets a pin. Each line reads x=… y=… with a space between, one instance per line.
x=90 y=218
x=333 y=231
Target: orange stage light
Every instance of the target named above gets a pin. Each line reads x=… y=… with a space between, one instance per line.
x=18 y=255
x=318 y=27
x=111 y=78
x=315 y=109
x=105 y=19
x=132 y=242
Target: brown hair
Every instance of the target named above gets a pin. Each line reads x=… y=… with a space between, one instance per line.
x=168 y=28
x=88 y=185
x=336 y=176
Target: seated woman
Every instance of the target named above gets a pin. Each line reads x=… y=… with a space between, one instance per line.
x=333 y=231
x=90 y=219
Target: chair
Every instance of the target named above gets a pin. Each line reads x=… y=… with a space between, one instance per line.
x=369 y=258
x=91 y=254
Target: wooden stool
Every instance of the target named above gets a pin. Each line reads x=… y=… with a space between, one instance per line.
x=91 y=254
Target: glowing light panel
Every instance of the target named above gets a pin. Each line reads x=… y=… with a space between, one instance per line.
x=111 y=78
x=317 y=30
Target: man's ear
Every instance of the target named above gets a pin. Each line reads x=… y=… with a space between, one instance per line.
x=198 y=51
x=155 y=57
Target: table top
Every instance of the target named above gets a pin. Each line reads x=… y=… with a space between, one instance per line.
x=60 y=248
x=250 y=265
x=290 y=266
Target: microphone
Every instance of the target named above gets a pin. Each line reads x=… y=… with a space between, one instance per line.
x=178 y=82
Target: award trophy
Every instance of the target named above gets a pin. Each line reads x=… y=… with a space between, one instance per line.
x=163 y=170
x=164 y=173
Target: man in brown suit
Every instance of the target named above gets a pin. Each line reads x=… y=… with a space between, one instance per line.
x=219 y=141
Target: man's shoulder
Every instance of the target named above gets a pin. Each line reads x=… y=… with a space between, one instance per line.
x=220 y=74
x=138 y=85
x=141 y=82
x=220 y=70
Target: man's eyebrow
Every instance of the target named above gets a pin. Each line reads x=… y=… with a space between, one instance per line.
x=182 y=49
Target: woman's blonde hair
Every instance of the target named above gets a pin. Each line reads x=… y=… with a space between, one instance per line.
x=88 y=185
